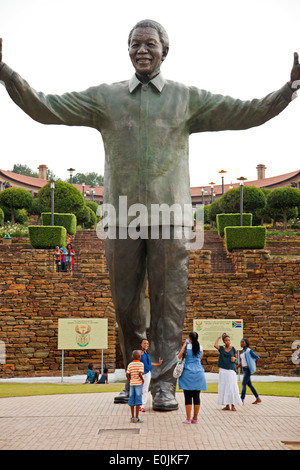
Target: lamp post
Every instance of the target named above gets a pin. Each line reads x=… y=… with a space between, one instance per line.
x=71 y=170
x=222 y=173
x=202 y=191
x=93 y=192
x=83 y=186
x=212 y=191
x=52 y=186
x=241 y=179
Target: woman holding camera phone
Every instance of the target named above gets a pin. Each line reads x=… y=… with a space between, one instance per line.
x=192 y=379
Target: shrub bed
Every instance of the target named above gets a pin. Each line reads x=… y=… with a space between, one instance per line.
x=244 y=238
x=62 y=220
x=47 y=236
x=231 y=220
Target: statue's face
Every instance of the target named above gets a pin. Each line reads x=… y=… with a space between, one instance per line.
x=146 y=52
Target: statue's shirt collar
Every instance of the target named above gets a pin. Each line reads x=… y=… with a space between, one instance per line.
x=158 y=82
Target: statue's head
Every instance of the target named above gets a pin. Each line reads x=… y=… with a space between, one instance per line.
x=148 y=46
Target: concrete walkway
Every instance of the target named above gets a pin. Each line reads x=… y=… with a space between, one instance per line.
x=94 y=422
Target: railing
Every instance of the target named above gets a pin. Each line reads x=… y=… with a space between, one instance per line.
x=221 y=263
x=63 y=267
x=238 y=263
x=81 y=261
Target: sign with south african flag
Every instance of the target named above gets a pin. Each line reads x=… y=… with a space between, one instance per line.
x=209 y=330
x=237 y=323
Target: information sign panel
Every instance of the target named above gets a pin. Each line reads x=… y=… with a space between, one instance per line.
x=209 y=330
x=82 y=333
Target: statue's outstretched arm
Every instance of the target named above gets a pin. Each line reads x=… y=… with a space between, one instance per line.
x=72 y=109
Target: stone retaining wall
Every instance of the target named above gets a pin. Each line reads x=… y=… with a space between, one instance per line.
x=265 y=293
x=285 y=247
x=32 y=301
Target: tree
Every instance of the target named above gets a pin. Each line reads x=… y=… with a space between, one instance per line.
x=196 y=215
x=92 y=219
x=67 y=198
x=24 y=170
x=1 y=217
x=284 y=199
x=51 y=175
x=253 y=199
x=21 y=216
x=15 y=198
x=264 y=214
x=36 y=207
x=91 y=179
x=93 y=205
x=214 y=209
x=269 y=214
x=83 y=215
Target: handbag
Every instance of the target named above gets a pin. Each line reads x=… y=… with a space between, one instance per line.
x=179 y=366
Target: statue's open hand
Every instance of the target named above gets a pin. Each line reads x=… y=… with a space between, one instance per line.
x=295 y=73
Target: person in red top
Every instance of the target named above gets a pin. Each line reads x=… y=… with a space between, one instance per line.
x=134 y=374
x=57 y=257
x=70 y=253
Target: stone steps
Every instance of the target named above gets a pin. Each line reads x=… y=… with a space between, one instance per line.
x=220 y=261
x=87 y=240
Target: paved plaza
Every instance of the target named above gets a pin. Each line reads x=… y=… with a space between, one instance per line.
x=93 y=422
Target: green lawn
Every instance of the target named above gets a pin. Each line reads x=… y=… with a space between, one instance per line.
x=30 y=389
x=289 y=389
x=282 y=233
x=280 y=389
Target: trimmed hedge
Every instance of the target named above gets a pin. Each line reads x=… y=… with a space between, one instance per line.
x=47 y=236
x=62 y=220
x=231 y=220
x=244 y=238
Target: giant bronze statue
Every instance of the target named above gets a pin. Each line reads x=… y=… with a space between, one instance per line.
x=145 y=123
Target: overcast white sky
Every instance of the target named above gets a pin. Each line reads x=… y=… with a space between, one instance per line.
x=237 y=47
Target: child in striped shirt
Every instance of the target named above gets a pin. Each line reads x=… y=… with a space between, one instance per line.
x=134 y=374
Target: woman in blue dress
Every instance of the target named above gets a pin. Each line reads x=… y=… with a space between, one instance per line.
x=192 y=379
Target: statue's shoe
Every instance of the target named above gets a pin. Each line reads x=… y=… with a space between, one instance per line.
x=164 y=401
x=123 y=397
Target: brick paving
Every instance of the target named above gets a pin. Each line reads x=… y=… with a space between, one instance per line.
x=94 y=422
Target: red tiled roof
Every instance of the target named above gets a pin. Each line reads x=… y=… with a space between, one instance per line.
x=98 y=189
x=27 y=180
x=195 y=191
x=262 y=183
x=39 y=183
